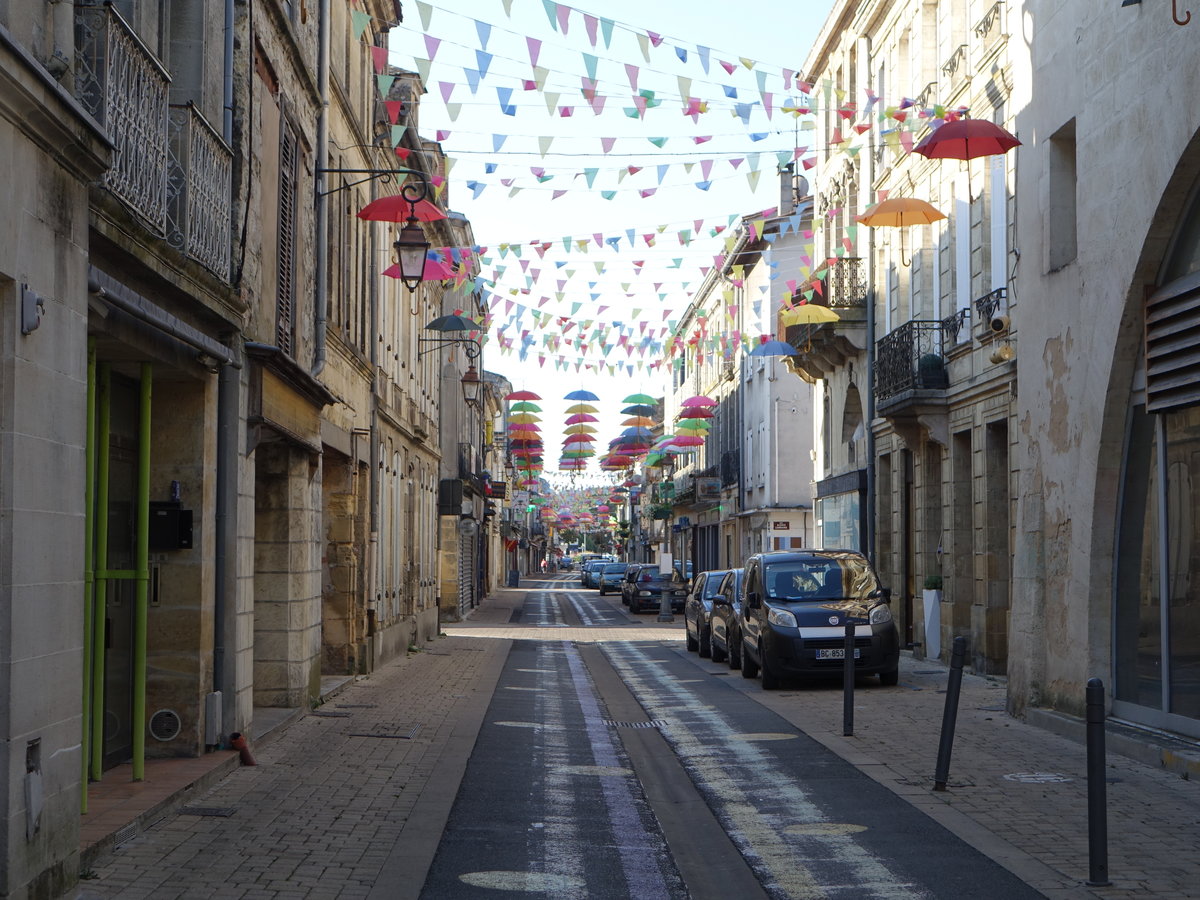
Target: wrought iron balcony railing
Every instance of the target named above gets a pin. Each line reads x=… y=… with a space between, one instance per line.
x=912 y=357
x=119 y=81
x=955 y=68
x=199 y=190
x=989 y=304
x=952 y=327
x=847 y=283
x=988 y=29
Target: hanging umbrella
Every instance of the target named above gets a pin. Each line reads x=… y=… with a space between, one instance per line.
x=579 y=439
x=774 y=348
x=638 y=409
x=644 y=421
x=696 y=412
x=397 y=208
x=524 y=418
x=636 y=432
x=581 y=408
x=688 y=440
x=699 y=400
x=580 y=418
x=522 y=395
x=454 y=322
x=524 y=406
x=434 y=270
x=808 y=314
x=639 y=398
x=967 y=139
x=581 y=395
x=898 y=212
x=523 y=426
x=581 y=429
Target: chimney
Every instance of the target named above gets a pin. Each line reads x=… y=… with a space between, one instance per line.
x=787 y=189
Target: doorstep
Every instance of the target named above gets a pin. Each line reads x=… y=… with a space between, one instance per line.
x=1145 y=745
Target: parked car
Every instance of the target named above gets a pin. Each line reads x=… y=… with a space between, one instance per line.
x=609 y=575
x=726 y=635
x=644 y=590
x=697 y=611
x=630 y=575
x=794 y=611
x=589 y=573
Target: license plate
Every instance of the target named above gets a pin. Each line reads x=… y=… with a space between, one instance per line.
x=839 y=653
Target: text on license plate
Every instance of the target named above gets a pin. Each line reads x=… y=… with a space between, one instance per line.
x=838 y=653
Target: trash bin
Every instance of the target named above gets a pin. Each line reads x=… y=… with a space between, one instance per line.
x=514 y=577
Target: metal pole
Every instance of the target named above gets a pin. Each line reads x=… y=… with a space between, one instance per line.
x=1097 y=786
x=141 y=600
x=848 y=681
x=89 y=573
x=950 y=715
x=99 y=613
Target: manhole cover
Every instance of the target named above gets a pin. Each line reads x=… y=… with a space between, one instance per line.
x=1037 y=778
x=395 y=733
x=223 y=812
x=357 y=705
x=332 y=714
x=928 y=672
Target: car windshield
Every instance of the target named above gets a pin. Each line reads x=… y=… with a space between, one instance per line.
x=615 y=567
x=819 y=578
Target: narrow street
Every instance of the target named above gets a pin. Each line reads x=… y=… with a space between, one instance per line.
x=591 y=756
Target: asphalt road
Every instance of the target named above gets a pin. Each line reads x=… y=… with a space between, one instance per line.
x=623 y=770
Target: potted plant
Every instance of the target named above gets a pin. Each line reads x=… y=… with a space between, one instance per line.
x=932 y=600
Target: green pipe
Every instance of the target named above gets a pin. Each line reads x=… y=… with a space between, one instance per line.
x=89 y=582
x=141 y=603
x=103 y=408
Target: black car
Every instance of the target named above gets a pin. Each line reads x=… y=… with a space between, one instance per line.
x=644 y=589
x=630 y=576
x=726 y=635
x=697 y=612
x=795 y=606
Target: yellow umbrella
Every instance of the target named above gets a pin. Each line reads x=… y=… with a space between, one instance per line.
x=524 y=419
x=636 y=421
x=900 y=212
x=581 y=408
x=580 y=429
x=808 y=314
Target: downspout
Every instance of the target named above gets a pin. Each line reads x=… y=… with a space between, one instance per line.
x=99 y=623
x=321 y=294
x=225 y=537
x=373 y=566
x=141 y=602
x=89 y=572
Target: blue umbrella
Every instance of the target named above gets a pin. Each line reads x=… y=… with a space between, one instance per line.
x=581 y=395
x=635 y=431
x=774 y=348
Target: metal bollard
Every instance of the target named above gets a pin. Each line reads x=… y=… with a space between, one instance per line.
x=950 y=714
x=848 y=681
x=1097 y=786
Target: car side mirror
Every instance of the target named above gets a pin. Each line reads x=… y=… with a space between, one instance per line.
x=754 y=600
x=883 y=594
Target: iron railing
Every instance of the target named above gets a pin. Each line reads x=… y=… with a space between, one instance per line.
x=953 y=325
x=199 y=197
x=988 y=29
x=119 y=81
x=912 y=357
x=846 y=284
x=988 y=304
x=955 y=68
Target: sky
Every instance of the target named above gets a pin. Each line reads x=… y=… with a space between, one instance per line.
x=637 y=133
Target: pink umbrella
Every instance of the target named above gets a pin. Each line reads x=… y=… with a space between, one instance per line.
x=687 y=440
x=522 y=395
x=580 y=418
x=433 y=271
x=699 y=400
x=397 y=208
x=696 y=412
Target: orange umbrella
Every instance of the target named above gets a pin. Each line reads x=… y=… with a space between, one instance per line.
x=898 y=212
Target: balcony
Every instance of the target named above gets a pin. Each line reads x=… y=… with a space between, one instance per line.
x=199 y=197
x=910 y=360
x=988 y=306
x=955 y=70
x=989 y=30
x=825 y=348
x=124 y=87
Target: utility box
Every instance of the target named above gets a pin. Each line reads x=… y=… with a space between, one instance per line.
x=170 y=526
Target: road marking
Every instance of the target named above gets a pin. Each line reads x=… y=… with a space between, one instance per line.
x=513 y=687
x=599 y=771
x=527 y=882
x=825 y=828
x=765 y=736
x=535 y=725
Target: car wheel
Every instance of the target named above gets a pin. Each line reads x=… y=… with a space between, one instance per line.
x=634 y=606
x=770 y=680
x=890 y=679
x=718 y=653
x=734 y=642
x=705 y=642
x=603 y=592
x=749 y=666
x=692 y=643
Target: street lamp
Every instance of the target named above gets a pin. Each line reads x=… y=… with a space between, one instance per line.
x=472 y=387
x=411 y=248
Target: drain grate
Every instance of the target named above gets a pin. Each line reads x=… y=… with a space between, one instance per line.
x=653 y=723
x=397 y=733
x=128 y=833
x=358 y=705
x=928 y=672
x=221 y=812
x=332 y=714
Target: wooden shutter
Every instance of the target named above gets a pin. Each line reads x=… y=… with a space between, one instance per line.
x=1173 y=345
x=285 y=307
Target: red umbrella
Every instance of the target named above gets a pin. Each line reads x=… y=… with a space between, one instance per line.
x=523 y=426
x=396 y=208
x=699 y=400
x=696 y=412
x=522 y=395
x=579 y=439
x=967 y=139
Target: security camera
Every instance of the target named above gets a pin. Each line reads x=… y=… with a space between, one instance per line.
x=999 y=324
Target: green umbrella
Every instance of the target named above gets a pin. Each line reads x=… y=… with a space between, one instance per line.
x=639 y=398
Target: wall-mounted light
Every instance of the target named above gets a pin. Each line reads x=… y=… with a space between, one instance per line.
x=472 y=387
x=411 y=248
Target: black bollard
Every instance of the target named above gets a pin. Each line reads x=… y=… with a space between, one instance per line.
x=1097 y=786
x=848 y=681
x=950 y=714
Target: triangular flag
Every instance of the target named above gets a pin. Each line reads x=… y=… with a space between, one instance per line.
x=358 y=23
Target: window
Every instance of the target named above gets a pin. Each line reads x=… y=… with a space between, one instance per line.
x=1061 y=237
x=285 y=306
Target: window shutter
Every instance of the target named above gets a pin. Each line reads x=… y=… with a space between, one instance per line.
x=285 y=327
x=1173 y=345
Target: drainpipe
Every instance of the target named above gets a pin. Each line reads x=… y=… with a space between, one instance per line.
x=89 y=573
x=141 y=602
x=99 y=623
x=224 y=575
x=322 y=210
x=373 y=568
x=227 y=99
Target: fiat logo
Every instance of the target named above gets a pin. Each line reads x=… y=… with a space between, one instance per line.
x=833 y=620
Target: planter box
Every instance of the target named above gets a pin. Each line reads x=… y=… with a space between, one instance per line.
x=932 y=601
